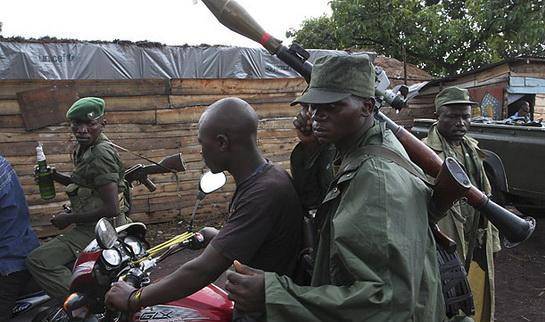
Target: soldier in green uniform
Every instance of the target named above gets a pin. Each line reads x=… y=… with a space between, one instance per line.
x=376 y=258
x=463 y=223
x=96 y=189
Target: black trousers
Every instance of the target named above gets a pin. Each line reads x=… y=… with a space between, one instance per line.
x=11 y=287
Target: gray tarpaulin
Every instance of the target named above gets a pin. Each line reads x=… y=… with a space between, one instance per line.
x=81 y=60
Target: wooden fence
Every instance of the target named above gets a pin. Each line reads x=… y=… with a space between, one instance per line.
x=154 y=118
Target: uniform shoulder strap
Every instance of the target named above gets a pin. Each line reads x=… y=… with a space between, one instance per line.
x=384 y=152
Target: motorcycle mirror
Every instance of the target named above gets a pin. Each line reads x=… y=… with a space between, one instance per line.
x=105 y=234
x=211 y=182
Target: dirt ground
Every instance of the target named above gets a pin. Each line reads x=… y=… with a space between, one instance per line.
x=520 y=274
x=520 y=279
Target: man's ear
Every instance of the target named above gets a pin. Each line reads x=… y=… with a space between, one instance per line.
x=438 y=112
x=367 y=107
x=223 y=142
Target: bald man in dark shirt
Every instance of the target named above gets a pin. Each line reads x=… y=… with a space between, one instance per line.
x=265 y=215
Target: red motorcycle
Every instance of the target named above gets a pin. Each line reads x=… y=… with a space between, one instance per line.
x=123 y=253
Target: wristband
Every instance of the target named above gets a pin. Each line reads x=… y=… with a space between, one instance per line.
x=136 y=295
x=138 y=298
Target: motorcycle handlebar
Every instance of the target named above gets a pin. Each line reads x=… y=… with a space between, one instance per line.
x=132 y=279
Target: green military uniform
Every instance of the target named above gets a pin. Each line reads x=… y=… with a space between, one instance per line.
x=376 y=258
x=97 y=165
x=459 y=221
x=457 y=224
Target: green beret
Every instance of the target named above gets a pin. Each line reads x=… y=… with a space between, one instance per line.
x=87 y=109
x=453 y=95
x=337 y=77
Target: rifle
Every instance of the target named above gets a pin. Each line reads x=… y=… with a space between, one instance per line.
x=173 y=163
x=234 y=17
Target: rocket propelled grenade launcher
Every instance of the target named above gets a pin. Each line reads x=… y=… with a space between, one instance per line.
x=236 y=18
x=233 y=16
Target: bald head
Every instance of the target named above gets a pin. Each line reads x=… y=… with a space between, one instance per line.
x=228 y=133
x=232 y=117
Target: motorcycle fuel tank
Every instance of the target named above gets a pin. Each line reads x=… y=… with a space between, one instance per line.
x=208 y=304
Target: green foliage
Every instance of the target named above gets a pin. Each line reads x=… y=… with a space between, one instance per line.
x=319 y=32
x=441 y=36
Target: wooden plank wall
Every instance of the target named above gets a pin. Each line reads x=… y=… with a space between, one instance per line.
x=539 y=107
x=154 y=118
x=529 y=68
x=423 y=105
x=424 y=102
x=532 y=68
x=419 y=107
x=490 y=77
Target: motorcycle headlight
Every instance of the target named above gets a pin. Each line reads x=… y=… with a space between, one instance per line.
x=111 y=257
x=134 y=244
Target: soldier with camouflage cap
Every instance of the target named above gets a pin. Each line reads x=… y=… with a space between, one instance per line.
x=448 y=138
x=375 y=259
x=96 y=189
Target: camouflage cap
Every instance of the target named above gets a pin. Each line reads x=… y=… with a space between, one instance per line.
x=452 y=95
x=337 y=77
x=87 y=108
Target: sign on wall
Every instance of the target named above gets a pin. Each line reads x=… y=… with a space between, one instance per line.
x=490 y=99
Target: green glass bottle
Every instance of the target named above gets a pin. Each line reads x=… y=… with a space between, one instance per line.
x=45 y=177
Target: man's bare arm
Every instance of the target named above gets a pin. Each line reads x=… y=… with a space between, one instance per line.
x=186 y=280
x=189 y=278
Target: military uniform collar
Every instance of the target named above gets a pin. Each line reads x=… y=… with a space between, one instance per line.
x=79 y=149
x=101 y=138
x=435 y=140
x=361 y=138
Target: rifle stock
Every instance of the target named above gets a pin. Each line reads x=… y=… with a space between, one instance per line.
x=233 y=16
x=171 y=164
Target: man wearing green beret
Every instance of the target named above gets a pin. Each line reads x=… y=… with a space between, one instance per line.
x=96 y=188
x=375 y=258
x=472 y=232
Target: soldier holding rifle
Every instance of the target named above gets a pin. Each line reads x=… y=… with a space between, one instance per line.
x=375 y=259
x=96 y=189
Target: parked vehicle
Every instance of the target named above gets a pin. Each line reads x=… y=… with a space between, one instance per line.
x=514 y=162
